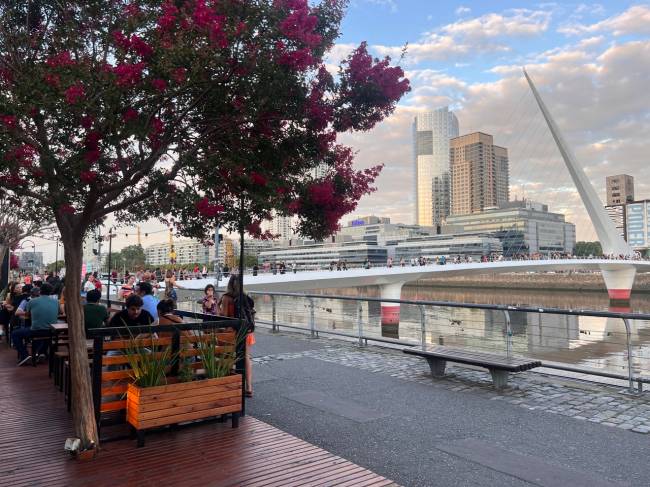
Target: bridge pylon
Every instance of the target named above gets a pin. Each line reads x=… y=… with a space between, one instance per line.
x=619 y=280
x=390 y=311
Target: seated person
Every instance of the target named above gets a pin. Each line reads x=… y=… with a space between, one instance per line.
x=21 y=311
x=132 y=315
x=166 y=314
x=44 y=312
x=150 y=302
x=95 y=314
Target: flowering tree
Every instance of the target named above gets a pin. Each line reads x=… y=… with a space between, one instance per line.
x=104 y=103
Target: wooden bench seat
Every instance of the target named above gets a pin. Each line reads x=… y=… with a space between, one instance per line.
x=499 y=366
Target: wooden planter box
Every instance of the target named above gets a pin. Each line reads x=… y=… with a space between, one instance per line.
x=151 y=407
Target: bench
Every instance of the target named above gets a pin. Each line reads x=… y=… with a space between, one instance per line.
x=498 y=365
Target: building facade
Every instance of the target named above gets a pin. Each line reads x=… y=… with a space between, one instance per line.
x=637 y=221
x=320 y=255
x=474 y=246
x=186 y=251
x=524 y=227
x=29 y=261
x=620 y=189
x=431 y=134
x=479 y=174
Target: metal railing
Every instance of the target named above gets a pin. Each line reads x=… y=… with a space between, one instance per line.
x=302 y=316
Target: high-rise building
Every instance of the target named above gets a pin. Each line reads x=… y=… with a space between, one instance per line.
x=637 y=225
x=479 y=174
x=618 y=215
x=431 y=134
x=282 y=226
x=620 y=189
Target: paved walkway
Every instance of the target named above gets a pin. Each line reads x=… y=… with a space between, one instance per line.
x=382 y=410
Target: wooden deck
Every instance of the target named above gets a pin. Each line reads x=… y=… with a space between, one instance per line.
x=34 y=424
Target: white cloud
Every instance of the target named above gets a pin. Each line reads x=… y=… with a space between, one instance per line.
x=472 y=37
x=595 y=92
x=462 y=10
x=635 y=20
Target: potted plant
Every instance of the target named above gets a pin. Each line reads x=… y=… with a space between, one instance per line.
x=154 y=399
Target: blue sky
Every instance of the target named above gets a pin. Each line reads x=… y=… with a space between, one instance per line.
x=591 y=60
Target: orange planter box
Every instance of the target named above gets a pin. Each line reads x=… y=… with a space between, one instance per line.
x=150 y=407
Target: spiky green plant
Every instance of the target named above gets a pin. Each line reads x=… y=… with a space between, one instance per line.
x=218 y=363
x=148 y=365
x=185 y=372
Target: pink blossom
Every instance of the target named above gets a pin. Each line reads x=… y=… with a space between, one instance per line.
x=92 y=156
x=121 y=40
x=202 y=16
x=159 y=84
x=128 y=74
x=179 y=75
x=53 y=80
x=168 y=18
x=257 y=179
x=9 y=121
x=129 y=115
x=74 y=93
x=92 y=140
x=299 y=26
x=299 y=60
x=208 y=210
x=140 y=47
x=60 y=60
x=87 y=121
x=88 y=177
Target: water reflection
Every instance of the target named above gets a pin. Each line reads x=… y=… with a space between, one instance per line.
x=589 y=341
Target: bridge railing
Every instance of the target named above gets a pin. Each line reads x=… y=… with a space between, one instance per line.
x=609 y=344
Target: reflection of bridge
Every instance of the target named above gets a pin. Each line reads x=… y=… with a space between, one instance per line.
x=391 y=280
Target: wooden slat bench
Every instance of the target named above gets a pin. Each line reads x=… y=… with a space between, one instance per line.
x=498 y=365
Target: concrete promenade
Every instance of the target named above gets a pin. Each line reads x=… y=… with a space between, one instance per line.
x=381 y=409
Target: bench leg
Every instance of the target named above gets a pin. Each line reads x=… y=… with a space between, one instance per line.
x=437 y=367
x=140 y=436
x=235 y=420
x=499 y=378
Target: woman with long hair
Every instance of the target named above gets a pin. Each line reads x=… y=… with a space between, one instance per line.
x=229 y=306
x=171 y=286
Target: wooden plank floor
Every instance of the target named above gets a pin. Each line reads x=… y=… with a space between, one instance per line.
x=34 y=424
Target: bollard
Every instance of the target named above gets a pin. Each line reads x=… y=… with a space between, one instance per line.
x=274 y=328
x=508 y=334
x=360 y=322
x=312 y=318
x=423 y=333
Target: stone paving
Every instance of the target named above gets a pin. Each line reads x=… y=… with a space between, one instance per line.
x=580 y=400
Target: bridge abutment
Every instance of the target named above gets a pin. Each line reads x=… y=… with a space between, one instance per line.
x=390 y=311
x=619 y=282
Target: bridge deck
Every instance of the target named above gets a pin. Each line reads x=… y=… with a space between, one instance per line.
x=35 y=424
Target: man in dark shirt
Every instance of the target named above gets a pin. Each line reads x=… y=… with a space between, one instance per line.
x=95 y=314
x=133 y=315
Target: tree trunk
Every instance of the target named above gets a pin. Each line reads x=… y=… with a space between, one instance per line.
x=83 y=415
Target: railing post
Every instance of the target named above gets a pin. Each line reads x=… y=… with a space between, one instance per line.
x=274 y=328
x=423 y=332
x=360 y=322
x=628 y=336
x=508 y=333
x=312 y=318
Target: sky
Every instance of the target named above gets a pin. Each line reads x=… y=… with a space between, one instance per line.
x=591 y=61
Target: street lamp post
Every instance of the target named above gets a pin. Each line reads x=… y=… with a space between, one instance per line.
x=110 y=257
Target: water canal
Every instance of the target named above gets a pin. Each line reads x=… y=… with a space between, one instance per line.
x=578 y=340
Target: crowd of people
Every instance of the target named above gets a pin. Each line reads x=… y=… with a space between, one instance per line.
x=30 y=307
